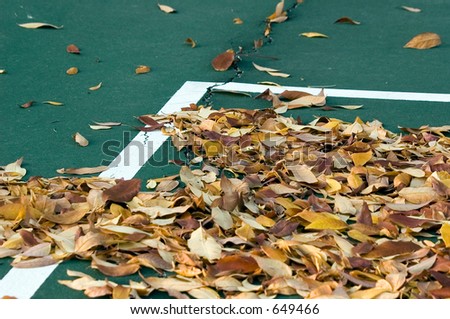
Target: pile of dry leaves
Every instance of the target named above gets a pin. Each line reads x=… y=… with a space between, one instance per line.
x=269 y=206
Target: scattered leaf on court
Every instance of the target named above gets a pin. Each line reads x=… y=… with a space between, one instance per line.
x=349 y=107
x=258 y=43
x=190 y=42
x=27 y=104
x=82 y=170
x=223 y=61
x=238 y=21
x=109 y=123
x=54 y=103
x=411 y=9
x=279 y=15
x=2 y=71
x=141 y=69
x=96 y=87
x=347 y=20
x=123 y=191
x=37 y=25
x=166 y=8
x=263 y=69
x=72 y=48
x=313 y=35
x=99 y=127
x=80 y=139
x=72 y=70
x=279 y=74
x=422 y=41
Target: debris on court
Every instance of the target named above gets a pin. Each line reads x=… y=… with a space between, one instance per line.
x=347 y=20
x=142 y=69
x=425 y=40
x=166 y=8
x=38 y=25
x=223 y=61
x=275 y=207
x=80 y=139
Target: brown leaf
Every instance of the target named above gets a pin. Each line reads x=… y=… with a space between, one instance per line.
x=347 y=20
x=191 y=42
x=142 y=69
x=72 y=48
x=27 y=104
x=238 y=21
x=123 y=191
x=223 y=61
x=313 y=35
x=422 y=41
x=392 y=248
x=284 y=228
x=80 y=139
x=234 y=264
x=72 y=70
x=258 y=43
x=166 y=8
x=113 y=270
x=66 y=218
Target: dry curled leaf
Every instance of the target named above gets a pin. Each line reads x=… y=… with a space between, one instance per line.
x=166 y=8
x=96 y=87
x=190 y=42
x=313 y=35
x=411 y=9
x=37 y=25
x=238 y=21
x=347 y=20
x=72 y=70
x=27 y=104
x=54 y=103
x=2 y=71
x=82 y=170
x=223 y=61
x=423 y=41
x=141 y=69
x=80 y=139
x=72 y=48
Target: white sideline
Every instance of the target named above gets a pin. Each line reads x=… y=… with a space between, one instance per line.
x=23 y=283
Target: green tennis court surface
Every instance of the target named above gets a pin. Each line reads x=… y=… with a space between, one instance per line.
x=117 y=37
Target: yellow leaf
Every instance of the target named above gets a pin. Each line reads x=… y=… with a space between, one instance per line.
x=238 y=21
x=359 y=159
x=354 y=181
x=96 y=87
x=445 y=234
x=313 y=35
x=204 y=245
x=265 y=221
x=53 y=103
x=422 y=41
x=245 y=232
x=279 y=74
x=37 y=25
x=13 y=211
x=411 y=9
x=263 y=68
x=333 y=186
x=166 y=8
x=327 y=221
x=141 y=69
x=72 y=71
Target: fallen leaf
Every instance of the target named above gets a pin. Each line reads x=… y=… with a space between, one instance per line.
x=418 y=195
x=204 y=245
x=258 y=43
x=273 y=267
x=445 y=234
x=279 y=74
x=327 y=221
x=80 y=139
x=54 y=103
x=411 y=9
x=3 y=71
x=176 y=284
x=108 y=123
x=166 y=8
x=37 y=25
x=349 y=107
x=422 y=41
x=190 y=42
x=99 y=127
x=392 y=248
x=263 y=68
x=123 y=191
x=223 y=61
x=113 y=270
x=141 y=69
x=313 y=35
x=72 y=48
x=72 y=70
x=237 y=21
x=96 y=87
x=82 y=170
x=347 y=20
x=27 y=104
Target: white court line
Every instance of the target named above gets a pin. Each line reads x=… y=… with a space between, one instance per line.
x=23 y=283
